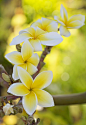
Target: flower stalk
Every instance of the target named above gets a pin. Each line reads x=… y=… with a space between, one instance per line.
x=41 y=62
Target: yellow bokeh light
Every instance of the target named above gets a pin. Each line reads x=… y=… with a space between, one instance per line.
x=10 y=120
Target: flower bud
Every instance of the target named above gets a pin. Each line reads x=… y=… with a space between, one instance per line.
x=6 y=77
x=7 y=109
x=18 y=47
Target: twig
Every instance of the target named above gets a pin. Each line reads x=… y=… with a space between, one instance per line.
x=7 y=98
x=41 y=62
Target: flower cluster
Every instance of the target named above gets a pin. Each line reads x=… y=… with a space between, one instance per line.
x=25 y=63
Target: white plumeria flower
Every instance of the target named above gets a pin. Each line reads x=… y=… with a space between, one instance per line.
x=46 y=24
x=7 y=109
x=74 y=22
x=25 y=59
x=31 y=90
x=36 y=37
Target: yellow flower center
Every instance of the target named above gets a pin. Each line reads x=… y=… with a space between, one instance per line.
x=44 y=28
x=30 y=89
x=25 y=61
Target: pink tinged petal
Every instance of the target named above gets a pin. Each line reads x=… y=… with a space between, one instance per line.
x=59 y=20
x=15 y=73
x=75 y=24
x=29 y=30
x=31 y=69
x=25 y=77
x=50 y=39
x=52 y=27
x=26 y=50
x=34 y=59
x=36 y=45
x=64 y=31
x=20 y=38
x=64 y=14
x=42 y=80
x=30 y=103
x=18 y=89
x=77 y=17
x=14 y=57
x=44 y=98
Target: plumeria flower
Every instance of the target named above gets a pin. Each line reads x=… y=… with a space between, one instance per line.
x=7 y=109
x=31 y=90
x=25 y=59
x=74 y=22
x=36 y=37
x=46 y=24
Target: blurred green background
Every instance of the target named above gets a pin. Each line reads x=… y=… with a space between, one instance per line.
x=66 y=60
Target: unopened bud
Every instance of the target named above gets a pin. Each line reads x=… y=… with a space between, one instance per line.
x=20 y=110
x=18 y=47
x=30 y=119
x=38 y=120
x=33 y=122
x=7 y=109
x=6 y=77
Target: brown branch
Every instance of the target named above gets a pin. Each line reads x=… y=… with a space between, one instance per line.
x=7 y=98
x=41 y=62
x=70 y=99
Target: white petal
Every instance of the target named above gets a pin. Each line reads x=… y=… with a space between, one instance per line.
x=25 y=77
x=15 y=73
x=37 y=24
x=59 y=20
x=64 y=14
x=64 y=31
x=45 y=22
x=24 y=66
x=50 y=39
x=44 y=98
x=52 y=27
x=42 y=80
x=34 y=59
x=31 y=69
x=75 y=24
x=18 y=89
x=26 y=50
x=30 y=103
x=29 y=30
x=36 y=45
x=77 y=17
x=20 y=38
x=14 y=57
x=56 y=17
x=39 y=32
